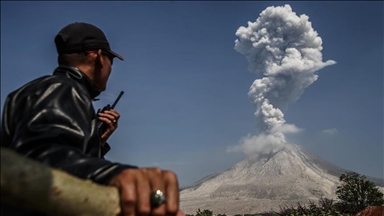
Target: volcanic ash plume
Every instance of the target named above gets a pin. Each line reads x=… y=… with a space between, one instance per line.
x=285 y=51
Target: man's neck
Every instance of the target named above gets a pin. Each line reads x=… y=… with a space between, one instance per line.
x=87 y=70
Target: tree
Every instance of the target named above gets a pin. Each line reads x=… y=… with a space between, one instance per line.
x=356 y=193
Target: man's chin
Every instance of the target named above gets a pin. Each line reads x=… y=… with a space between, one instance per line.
x=101 y=88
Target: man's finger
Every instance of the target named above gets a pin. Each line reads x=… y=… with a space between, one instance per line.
x=157 y=183
x=172 y=192
x=143 y=206
x=107 y=121
x=180 y=213
x=113 y=112
x=107 y=115
x=128 y=195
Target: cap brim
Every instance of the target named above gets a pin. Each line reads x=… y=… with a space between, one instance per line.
x=116 y=55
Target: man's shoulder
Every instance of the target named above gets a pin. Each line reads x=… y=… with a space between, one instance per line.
x=45 y=82
x=51 y=80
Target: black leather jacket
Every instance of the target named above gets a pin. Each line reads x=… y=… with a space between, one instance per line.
x=52 y=119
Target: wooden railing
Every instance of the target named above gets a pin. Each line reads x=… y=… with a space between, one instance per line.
x=28 y=184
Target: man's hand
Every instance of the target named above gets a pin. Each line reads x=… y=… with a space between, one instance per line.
x=110 y=118
x=136 y=185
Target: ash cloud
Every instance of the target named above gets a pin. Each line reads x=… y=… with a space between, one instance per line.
x=284 y=50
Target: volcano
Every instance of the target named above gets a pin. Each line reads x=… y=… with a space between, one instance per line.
x=264 y=183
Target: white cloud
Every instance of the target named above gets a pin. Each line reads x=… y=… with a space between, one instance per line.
x=170 y=163
x=330 y=131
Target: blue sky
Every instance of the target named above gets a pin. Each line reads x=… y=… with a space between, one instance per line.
x=186 y=86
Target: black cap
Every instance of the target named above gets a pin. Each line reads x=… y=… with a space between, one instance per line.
x=79 y=37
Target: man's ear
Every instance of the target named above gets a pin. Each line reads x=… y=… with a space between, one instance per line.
x=99 y=59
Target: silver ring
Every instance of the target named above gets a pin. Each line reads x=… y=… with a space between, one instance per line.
x=114 y=121
x=157 y=198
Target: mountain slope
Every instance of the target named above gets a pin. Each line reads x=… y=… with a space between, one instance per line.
x=262 y=183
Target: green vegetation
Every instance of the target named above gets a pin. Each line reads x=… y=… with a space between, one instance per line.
x=354 y=194
x=357 y=193
x=204 y=213
x=325 y=207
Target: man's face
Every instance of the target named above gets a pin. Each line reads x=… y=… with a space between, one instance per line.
x=101 y=78
x=108 y=59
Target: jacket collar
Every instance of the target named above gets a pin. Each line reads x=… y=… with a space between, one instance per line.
x=79 y=76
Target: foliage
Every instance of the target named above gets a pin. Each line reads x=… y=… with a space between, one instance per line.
x=205 y=212
x=325 y=207
x=356 y=193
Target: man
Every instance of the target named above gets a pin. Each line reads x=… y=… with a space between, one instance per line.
x=52 y=120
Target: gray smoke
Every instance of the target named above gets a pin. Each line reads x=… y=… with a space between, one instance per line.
x=285 y=51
